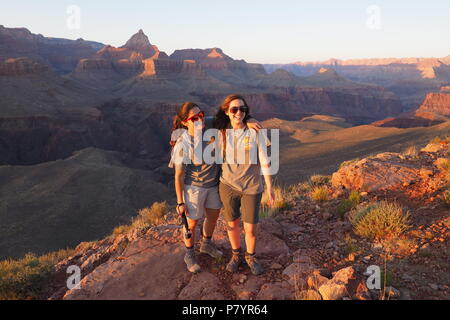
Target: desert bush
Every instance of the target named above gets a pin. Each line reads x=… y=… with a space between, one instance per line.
x=121 y=230
x=446 y=198
x=441 y=140
x=354 y=197
x=346 y=205
x=445 y=168
x=280 y=203
x=350 y=246
x=318 y=180
x=26 y=278
x=381 y=220
x=148 y=217
x=320 y=194
x=412 y=152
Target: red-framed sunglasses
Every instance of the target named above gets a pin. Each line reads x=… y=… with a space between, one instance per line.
x=196 y=117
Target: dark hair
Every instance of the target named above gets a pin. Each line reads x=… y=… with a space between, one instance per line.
x=221 y=120
x=182 y=114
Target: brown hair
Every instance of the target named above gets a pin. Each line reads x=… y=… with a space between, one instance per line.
x=221 y=120
x=182 y=114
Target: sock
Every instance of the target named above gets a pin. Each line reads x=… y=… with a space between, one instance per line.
x=189 y=249
x=237 y=251
x=250 y=254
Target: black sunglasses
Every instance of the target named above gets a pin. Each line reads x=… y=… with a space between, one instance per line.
x=243 y=109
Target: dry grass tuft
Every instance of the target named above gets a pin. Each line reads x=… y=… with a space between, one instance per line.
x=28 y=277
x=320 y=194
x=147 y=217
x=380 y=221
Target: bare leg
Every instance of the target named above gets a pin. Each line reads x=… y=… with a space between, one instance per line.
x=192 y=224
x=210 y=221
x=234 y=233
x=250 y=237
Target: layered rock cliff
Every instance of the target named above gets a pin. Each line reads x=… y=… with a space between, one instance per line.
x=436 y=102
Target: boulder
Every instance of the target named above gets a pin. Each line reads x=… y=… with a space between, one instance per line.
x=385 y=171
x=344 y=275
x=144 y=266
x=315 y=281
x=332 y=291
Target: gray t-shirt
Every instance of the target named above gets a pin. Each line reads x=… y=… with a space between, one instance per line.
x=241 y=169
x=198 y=174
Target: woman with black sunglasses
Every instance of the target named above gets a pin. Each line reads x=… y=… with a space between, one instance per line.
x=196 y=182
x=241 y=183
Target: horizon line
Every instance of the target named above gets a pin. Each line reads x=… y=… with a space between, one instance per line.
x=307 y=61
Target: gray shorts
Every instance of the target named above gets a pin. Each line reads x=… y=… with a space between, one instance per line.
x=235 y=203
x=197 y=199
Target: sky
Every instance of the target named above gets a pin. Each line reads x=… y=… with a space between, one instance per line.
x=260 y=31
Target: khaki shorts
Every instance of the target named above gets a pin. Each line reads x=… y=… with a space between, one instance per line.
x=197 y=199
x=235 y=203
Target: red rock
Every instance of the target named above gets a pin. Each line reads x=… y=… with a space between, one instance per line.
x=438 y=103
x=203 y=286
x=332 y=291
x=308 y=295
x=275 y=291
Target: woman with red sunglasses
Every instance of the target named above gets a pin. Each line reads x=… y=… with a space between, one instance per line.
x=196 y=184
x=241 y=183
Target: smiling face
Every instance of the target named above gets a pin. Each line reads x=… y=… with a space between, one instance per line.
x=236 y=119
x=191 y=125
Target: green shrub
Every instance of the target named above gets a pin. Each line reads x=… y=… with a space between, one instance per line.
x=381 y=220
x=354 y=197
x=26 y=278
x=320 y=194
x=346 y=205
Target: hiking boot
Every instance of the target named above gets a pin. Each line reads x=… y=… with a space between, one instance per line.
x=235 y=262
x=208 y=247
x=254 y=265
x=191 y=262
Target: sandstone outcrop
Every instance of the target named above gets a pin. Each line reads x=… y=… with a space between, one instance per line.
x=21 y=66
x=387 y=171
x=437 y=103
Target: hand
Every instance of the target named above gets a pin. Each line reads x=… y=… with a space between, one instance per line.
x=271 y=194
x=182 y=209
x=254 y=124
